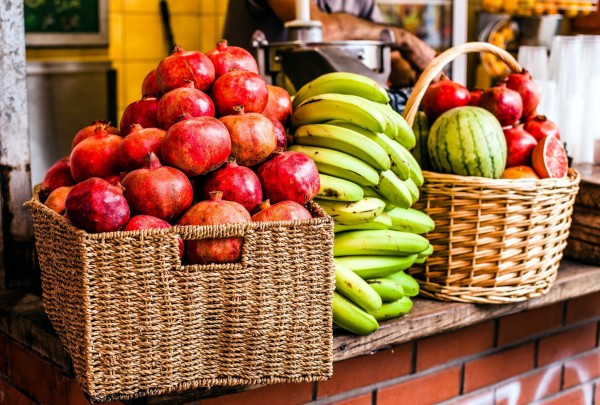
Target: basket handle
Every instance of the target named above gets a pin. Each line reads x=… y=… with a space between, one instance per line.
x=436 y=66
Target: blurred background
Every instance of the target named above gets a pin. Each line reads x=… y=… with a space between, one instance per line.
x=86 y=60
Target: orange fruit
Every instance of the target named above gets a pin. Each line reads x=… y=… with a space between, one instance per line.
x=519 y=172
x=549 y=158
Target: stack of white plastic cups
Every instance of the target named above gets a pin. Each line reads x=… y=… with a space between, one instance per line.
x=566 y=70
x=591 y=92
x=535 y=60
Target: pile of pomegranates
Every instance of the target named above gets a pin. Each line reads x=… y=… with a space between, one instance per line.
x=513 y=101
x=204 y=145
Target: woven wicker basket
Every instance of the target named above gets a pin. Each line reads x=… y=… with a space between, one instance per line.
x=496 y=241
x=137 y=322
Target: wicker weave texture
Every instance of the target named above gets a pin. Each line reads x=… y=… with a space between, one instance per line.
x=137 y=322
x=496 y=241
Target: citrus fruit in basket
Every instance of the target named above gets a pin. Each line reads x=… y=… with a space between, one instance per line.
x=467 y=141
x=549 y=158
x=519 y=172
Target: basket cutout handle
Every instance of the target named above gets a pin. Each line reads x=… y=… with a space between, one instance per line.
x=437 y=65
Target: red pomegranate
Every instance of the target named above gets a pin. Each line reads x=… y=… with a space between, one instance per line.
x=239 y=88
x=213 y=212
x=504 y=103
x=282 y=211
x=157 y=190
x=94 y=205
x=142 y=112
x=225 y=57
x=196 y=145
x=58 y=175
x=183 y=100
x=281 y=135
x=530 y=93
x=291 y=176
x=539 y=126
x=140 y=222
x=442 y=96
x=279 y=104
x=181 y=66
x=519 y=145
x=88 y=131
x=149 y=86
x=238 y=183
x=115 y=179
x=136 y=146
x=57 y=199
x=96 y=156
x=253 y=137
x=475 y=96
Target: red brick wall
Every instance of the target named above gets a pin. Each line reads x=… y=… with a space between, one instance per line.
x=550 y=355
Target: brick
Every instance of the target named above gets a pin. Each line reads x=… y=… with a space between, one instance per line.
x=427 y=389
x=366 y=370
x=566 y=344
x=37 y=376
x=366 y=399
x=272 y=394
x=533 y=386
x=479 y=398
x=3 y=355
x=583 y=308
x=524 y=324
x=497 y=367
x=579 y=396
x=440 y=349
x=582 y=369
x=11 y=396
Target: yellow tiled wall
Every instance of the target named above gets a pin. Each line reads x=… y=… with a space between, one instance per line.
x=137 y=39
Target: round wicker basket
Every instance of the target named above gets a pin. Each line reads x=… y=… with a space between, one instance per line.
x=496 y=240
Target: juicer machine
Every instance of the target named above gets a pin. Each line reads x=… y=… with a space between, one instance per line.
x=306 y=56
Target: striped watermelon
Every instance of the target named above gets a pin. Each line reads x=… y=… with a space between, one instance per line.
x=467 y=141
x=421 y=129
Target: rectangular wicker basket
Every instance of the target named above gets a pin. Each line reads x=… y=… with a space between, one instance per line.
x=137 y=322
x=496 y=240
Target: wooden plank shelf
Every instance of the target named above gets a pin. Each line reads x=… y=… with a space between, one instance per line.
x=22 y=317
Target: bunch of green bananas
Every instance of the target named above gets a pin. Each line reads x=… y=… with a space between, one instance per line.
x=369 y=181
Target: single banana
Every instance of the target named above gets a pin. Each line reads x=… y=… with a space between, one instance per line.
x=391 y=128
x=342 y=83
x=354 y=212
x=340 y=164
x=371 y=192
x=415 y=170
x=351 y=317
x=411 y=220
x=405 y=135
x=333 y=188
x=412 y=189
x=357 y=290
x=422 y=256
x=399 y=163
x=343 y=140
x=381 y=221
x=378 y=243
x=408 y=283
x=347 y=107
x=377 y=266
x=387 y=289
x=393 y=189
x=394 y=309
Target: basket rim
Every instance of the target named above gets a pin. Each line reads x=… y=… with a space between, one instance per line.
x=572 y=178
x=322 y=218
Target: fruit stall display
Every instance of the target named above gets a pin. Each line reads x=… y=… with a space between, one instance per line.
x=497 y=185
x=184 y=249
